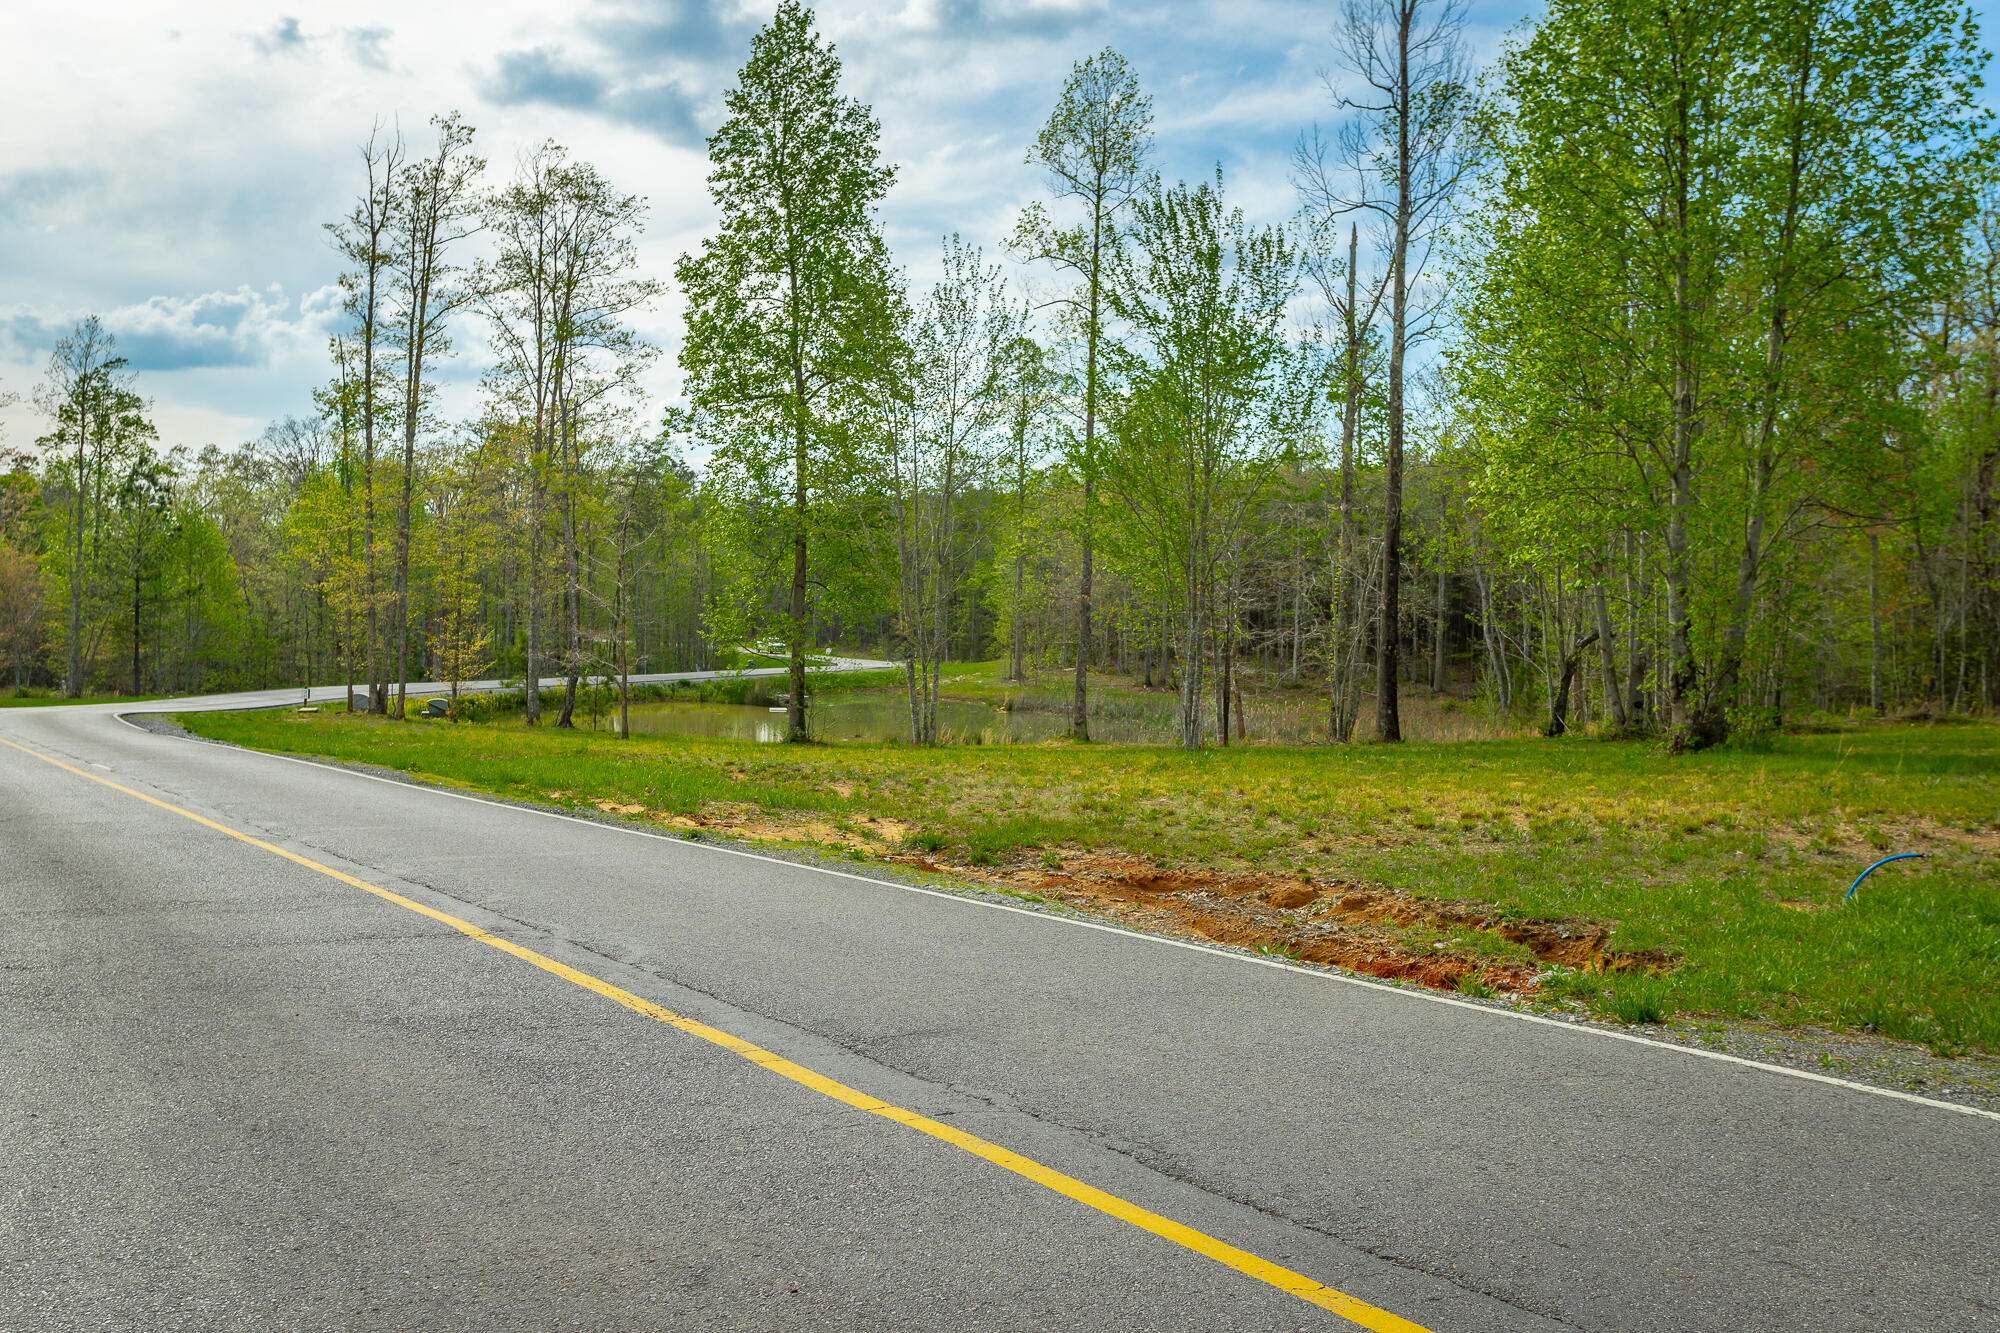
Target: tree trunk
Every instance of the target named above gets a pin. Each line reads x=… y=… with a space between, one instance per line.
x=1607 y=657
x=73 y=672
x=1014 y=671
x=403 y=548
x=1079 y=724
x=1388 y=641
x=1224 y=643
x=1559 y=697
x=138 y=557
x=795 y=702
x=572 y=563
x=1342 y=643
x=1875 y=624
x=368 y=501
x=531 y=684
x=1635 y=655
x=1438 y=614
x=618 y=616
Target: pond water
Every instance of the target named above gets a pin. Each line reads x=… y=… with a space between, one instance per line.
x=883 y=717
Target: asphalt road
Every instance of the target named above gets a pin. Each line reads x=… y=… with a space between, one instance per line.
x=239 y=1093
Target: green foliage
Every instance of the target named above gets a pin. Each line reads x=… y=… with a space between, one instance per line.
x=1689 y=320
x=1213 y=403
x=793 y=324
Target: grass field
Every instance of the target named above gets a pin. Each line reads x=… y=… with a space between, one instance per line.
x=1601 y=875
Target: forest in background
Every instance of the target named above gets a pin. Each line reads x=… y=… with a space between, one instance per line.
x=1646 y=381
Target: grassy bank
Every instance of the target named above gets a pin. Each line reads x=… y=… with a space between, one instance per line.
x=1605 y=875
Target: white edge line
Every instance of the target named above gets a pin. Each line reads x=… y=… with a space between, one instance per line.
x=1323 y=973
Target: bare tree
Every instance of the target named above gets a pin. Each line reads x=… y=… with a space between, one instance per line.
x=1354 y=311
x=1028 y=386
x=1399 y=155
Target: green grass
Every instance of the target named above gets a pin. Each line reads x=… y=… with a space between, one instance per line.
x=1732 y=860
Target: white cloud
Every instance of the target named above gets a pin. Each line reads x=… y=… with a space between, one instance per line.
x=175 y=181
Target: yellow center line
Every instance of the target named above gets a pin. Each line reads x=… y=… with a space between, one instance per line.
x=1284 y=1279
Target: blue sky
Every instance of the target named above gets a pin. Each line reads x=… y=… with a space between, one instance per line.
x=169 y=167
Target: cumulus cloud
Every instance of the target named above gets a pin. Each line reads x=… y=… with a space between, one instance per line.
x=240 y=328
x=547 y=76
x=691 y=31
x=543 y=74
x=282 y=38
x=365 y=46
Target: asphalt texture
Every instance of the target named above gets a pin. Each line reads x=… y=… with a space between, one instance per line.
x=238 y=1094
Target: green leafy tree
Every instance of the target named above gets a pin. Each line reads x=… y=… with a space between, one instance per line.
x=435 y=209
x=793 y=311
x=1212 y=382
x=1094 y=150
x=100 y=428
x=1711 y=228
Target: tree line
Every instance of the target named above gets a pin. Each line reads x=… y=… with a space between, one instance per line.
x=1646 y=380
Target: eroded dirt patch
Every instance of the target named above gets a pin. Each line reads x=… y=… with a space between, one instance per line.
x=1368 y=929
x=1365 y=928
x=743 y=819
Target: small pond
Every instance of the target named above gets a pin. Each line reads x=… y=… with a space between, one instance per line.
x=881 y=717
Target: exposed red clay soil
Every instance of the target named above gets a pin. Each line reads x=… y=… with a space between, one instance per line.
x=1365 y=929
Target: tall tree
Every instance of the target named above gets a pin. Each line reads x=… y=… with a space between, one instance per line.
x=1205 y=295
x=362 y=238
x=436 y=208
x=1094 y=150
x=1404 y=145
x=1712 y=228
x=557 y=298
x=792 y=308
x=1864 y=141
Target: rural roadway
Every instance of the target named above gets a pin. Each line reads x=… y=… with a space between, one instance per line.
x=284 y=1046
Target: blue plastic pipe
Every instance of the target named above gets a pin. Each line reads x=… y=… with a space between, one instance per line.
x=1899 y=856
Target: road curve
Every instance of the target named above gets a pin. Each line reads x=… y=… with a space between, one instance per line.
x=242 y=1090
